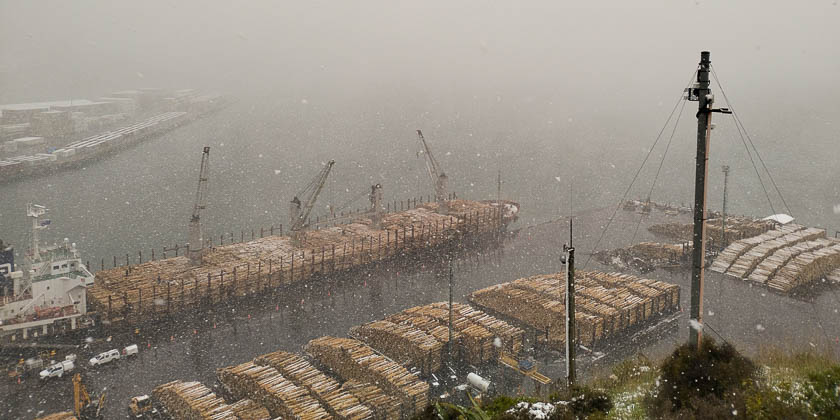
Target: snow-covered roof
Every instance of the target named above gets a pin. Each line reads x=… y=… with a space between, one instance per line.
x=780 y=218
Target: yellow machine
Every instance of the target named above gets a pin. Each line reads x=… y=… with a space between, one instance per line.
x=141 y=407
x=84 y=408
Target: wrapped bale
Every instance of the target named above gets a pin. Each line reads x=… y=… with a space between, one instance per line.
x=352 y=359
x=268 y=387
x=192 y=401
x=403 y=343
x=326 y=390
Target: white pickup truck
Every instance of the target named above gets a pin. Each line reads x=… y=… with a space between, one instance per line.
x=106 y=357
x=57 y=370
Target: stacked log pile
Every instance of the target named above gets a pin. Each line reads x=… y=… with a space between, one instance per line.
x=384 y=406
x=729 y=256
x=736 y=228
x=606 y=303
x=268 y=387
x=148 y=290
x=783 y=259
x=744 y=265
x=771 y=265
x=338 y=402
x=806 y=268
x=352 y=359
x=403 y=343
x=64 y=415
x=192 y=401
x=474 y=332
x=249 y=410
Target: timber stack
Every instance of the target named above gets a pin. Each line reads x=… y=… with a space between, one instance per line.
x=64 y=415
x=192 y=400
x=354 y=360
x=336 y=400
x=783 y=259
x=607 y=304
x=154 y=289
x=269 y=388
x=736 y=228
x=474 y=332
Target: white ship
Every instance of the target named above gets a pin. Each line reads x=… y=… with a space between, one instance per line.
x=49 y=294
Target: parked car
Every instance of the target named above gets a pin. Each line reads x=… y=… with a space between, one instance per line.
x=58 y=370
x=106 y=357
x=130 y=350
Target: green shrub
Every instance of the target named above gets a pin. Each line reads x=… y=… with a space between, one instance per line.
x=824 y=393
x=707 y=382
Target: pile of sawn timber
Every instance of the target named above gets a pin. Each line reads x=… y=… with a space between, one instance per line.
x=194 y=401
x=606 y=303
x=353 y=360
x=144 y=291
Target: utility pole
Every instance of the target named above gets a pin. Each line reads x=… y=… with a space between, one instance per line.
x=723 y=218
x=571 y=336
x=449 y=343
x=701 y=93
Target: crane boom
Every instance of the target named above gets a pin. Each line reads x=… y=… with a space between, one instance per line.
x=201 y=192
x=300 y=210
x=196 y=249
x=438 y=178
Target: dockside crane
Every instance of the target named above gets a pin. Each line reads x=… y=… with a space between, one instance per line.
x=299 y=210
x=438 y=178
x=196 y=249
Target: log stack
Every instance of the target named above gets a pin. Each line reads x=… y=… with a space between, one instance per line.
x=744 y=265
x=192 y=401
x=806 y=268
x=64 y=415
x=155 y=288
x=784 y=259
x=403 y=343
x=249 y=410
x=606 y=303
x=384 y=406
x=771 y=265
x=352 y=359
x=474 y=333
x=338 y=402
x=736 y=228
x=268 y=387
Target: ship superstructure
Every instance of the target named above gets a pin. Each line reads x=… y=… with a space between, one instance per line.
x=49 y=293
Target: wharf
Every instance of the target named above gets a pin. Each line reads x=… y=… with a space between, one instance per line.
x=156 y=289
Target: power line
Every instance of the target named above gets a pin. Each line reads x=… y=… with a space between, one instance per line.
x=633 y=181
x=740 y=125
x=658 y=170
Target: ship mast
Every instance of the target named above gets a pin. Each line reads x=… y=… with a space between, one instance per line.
x=33 y=211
